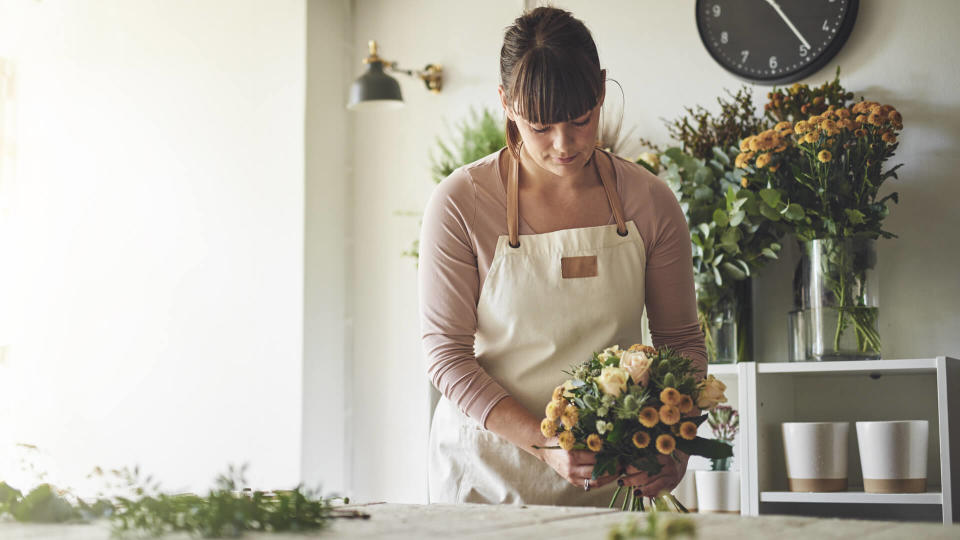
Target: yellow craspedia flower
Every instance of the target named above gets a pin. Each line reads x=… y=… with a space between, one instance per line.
x=648 y=416
x=754 y=143
x=802 y=127
x=783 y=128
x=860 y=132
x=781 y=148
x=641 y=439
x=815 y=120
x=566 y=440
x=744 y=182
x=763 y=160
x=554 y=409
x=670 y=396
x=688 y=430
x=895 y=117
x=557 y=393
x=843 y=113
x=824 y=156
x=861 y=118
x=745 y=143
x=875 y=118
x=847 y=124
x=594 y=442
x=570 y=416
x=669 y=415
x=888 y=137
x=686 y=404
x=742 y=159
x=548 y=427
x=811 y=137
x=666 y=444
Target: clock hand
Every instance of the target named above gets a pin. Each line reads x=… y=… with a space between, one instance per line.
x=775 y=6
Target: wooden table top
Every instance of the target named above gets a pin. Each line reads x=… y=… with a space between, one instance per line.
x=477 y=521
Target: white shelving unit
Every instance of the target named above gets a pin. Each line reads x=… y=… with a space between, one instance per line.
x=769 y=394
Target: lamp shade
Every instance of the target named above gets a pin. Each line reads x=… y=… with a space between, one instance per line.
x=375 y=90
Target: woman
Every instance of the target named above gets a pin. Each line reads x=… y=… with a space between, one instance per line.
x=533 y=258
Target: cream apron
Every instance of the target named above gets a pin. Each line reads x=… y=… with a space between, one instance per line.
x=547 y=304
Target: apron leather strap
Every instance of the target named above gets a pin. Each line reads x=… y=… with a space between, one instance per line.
x=611 y=188
x=513 y=199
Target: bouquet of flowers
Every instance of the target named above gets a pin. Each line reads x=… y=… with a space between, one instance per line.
x=631 y=407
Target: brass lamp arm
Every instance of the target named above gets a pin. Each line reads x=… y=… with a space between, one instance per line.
x=431 y=75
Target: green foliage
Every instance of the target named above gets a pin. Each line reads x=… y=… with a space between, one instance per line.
x=656 y=524
x=734 y=231
x=478 y=135
x=701 y=132
x=227 y=510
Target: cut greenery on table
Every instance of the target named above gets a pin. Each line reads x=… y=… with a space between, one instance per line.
x=228 y=509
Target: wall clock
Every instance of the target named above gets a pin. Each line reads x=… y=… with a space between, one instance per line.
x=774 y=41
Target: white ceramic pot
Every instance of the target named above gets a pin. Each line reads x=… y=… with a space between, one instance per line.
x=686 y=491
x=893 y=456
x=816 y=455
x=718 y=492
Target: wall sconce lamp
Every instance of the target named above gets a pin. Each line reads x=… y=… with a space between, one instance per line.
x=377 y=90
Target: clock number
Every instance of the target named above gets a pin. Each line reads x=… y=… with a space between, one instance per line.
x=803 y=50
x=744 y=54
x=716 y=10
x=773 y=62
x=826 y=25
x=724 y=37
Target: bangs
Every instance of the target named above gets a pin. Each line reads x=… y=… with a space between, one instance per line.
x=549 y=88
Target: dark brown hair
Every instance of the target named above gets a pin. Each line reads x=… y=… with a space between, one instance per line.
x=549 y=69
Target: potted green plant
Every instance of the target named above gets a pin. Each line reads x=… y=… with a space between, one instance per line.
x=718 y=490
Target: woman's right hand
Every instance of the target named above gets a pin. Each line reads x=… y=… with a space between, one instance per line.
x=575 y=466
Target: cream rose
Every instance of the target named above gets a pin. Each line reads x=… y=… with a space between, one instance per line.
x=637 y=365
x=613 y=380
x=711 y=393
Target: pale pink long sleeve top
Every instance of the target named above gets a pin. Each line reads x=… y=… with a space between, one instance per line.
x=464 y=217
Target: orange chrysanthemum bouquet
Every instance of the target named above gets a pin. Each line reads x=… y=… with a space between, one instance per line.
x=633 y=407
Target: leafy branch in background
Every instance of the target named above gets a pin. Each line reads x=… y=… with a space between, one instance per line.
x=479 y=134
x=227 y=510
x=699 y=131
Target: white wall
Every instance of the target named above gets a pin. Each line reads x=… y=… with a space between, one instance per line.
x=151 y=263
x=897 y=54
x=328 y=334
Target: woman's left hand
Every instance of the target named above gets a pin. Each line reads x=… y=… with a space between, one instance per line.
x=668 y=478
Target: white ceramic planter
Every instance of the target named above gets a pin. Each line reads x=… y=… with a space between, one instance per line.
x=816 y=455
x=686 y=491
x=718 y=492
x=893 y=456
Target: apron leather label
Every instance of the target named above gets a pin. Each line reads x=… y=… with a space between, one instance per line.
x=578 y=267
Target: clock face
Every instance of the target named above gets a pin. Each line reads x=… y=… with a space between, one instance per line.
x=774 y=41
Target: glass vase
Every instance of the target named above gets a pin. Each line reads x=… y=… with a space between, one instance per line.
x=836 y=318
x=720 y=333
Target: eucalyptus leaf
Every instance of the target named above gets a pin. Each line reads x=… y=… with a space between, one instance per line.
x=720 y=218
x=770 y=196
x=733 y=271
x=737 y=217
